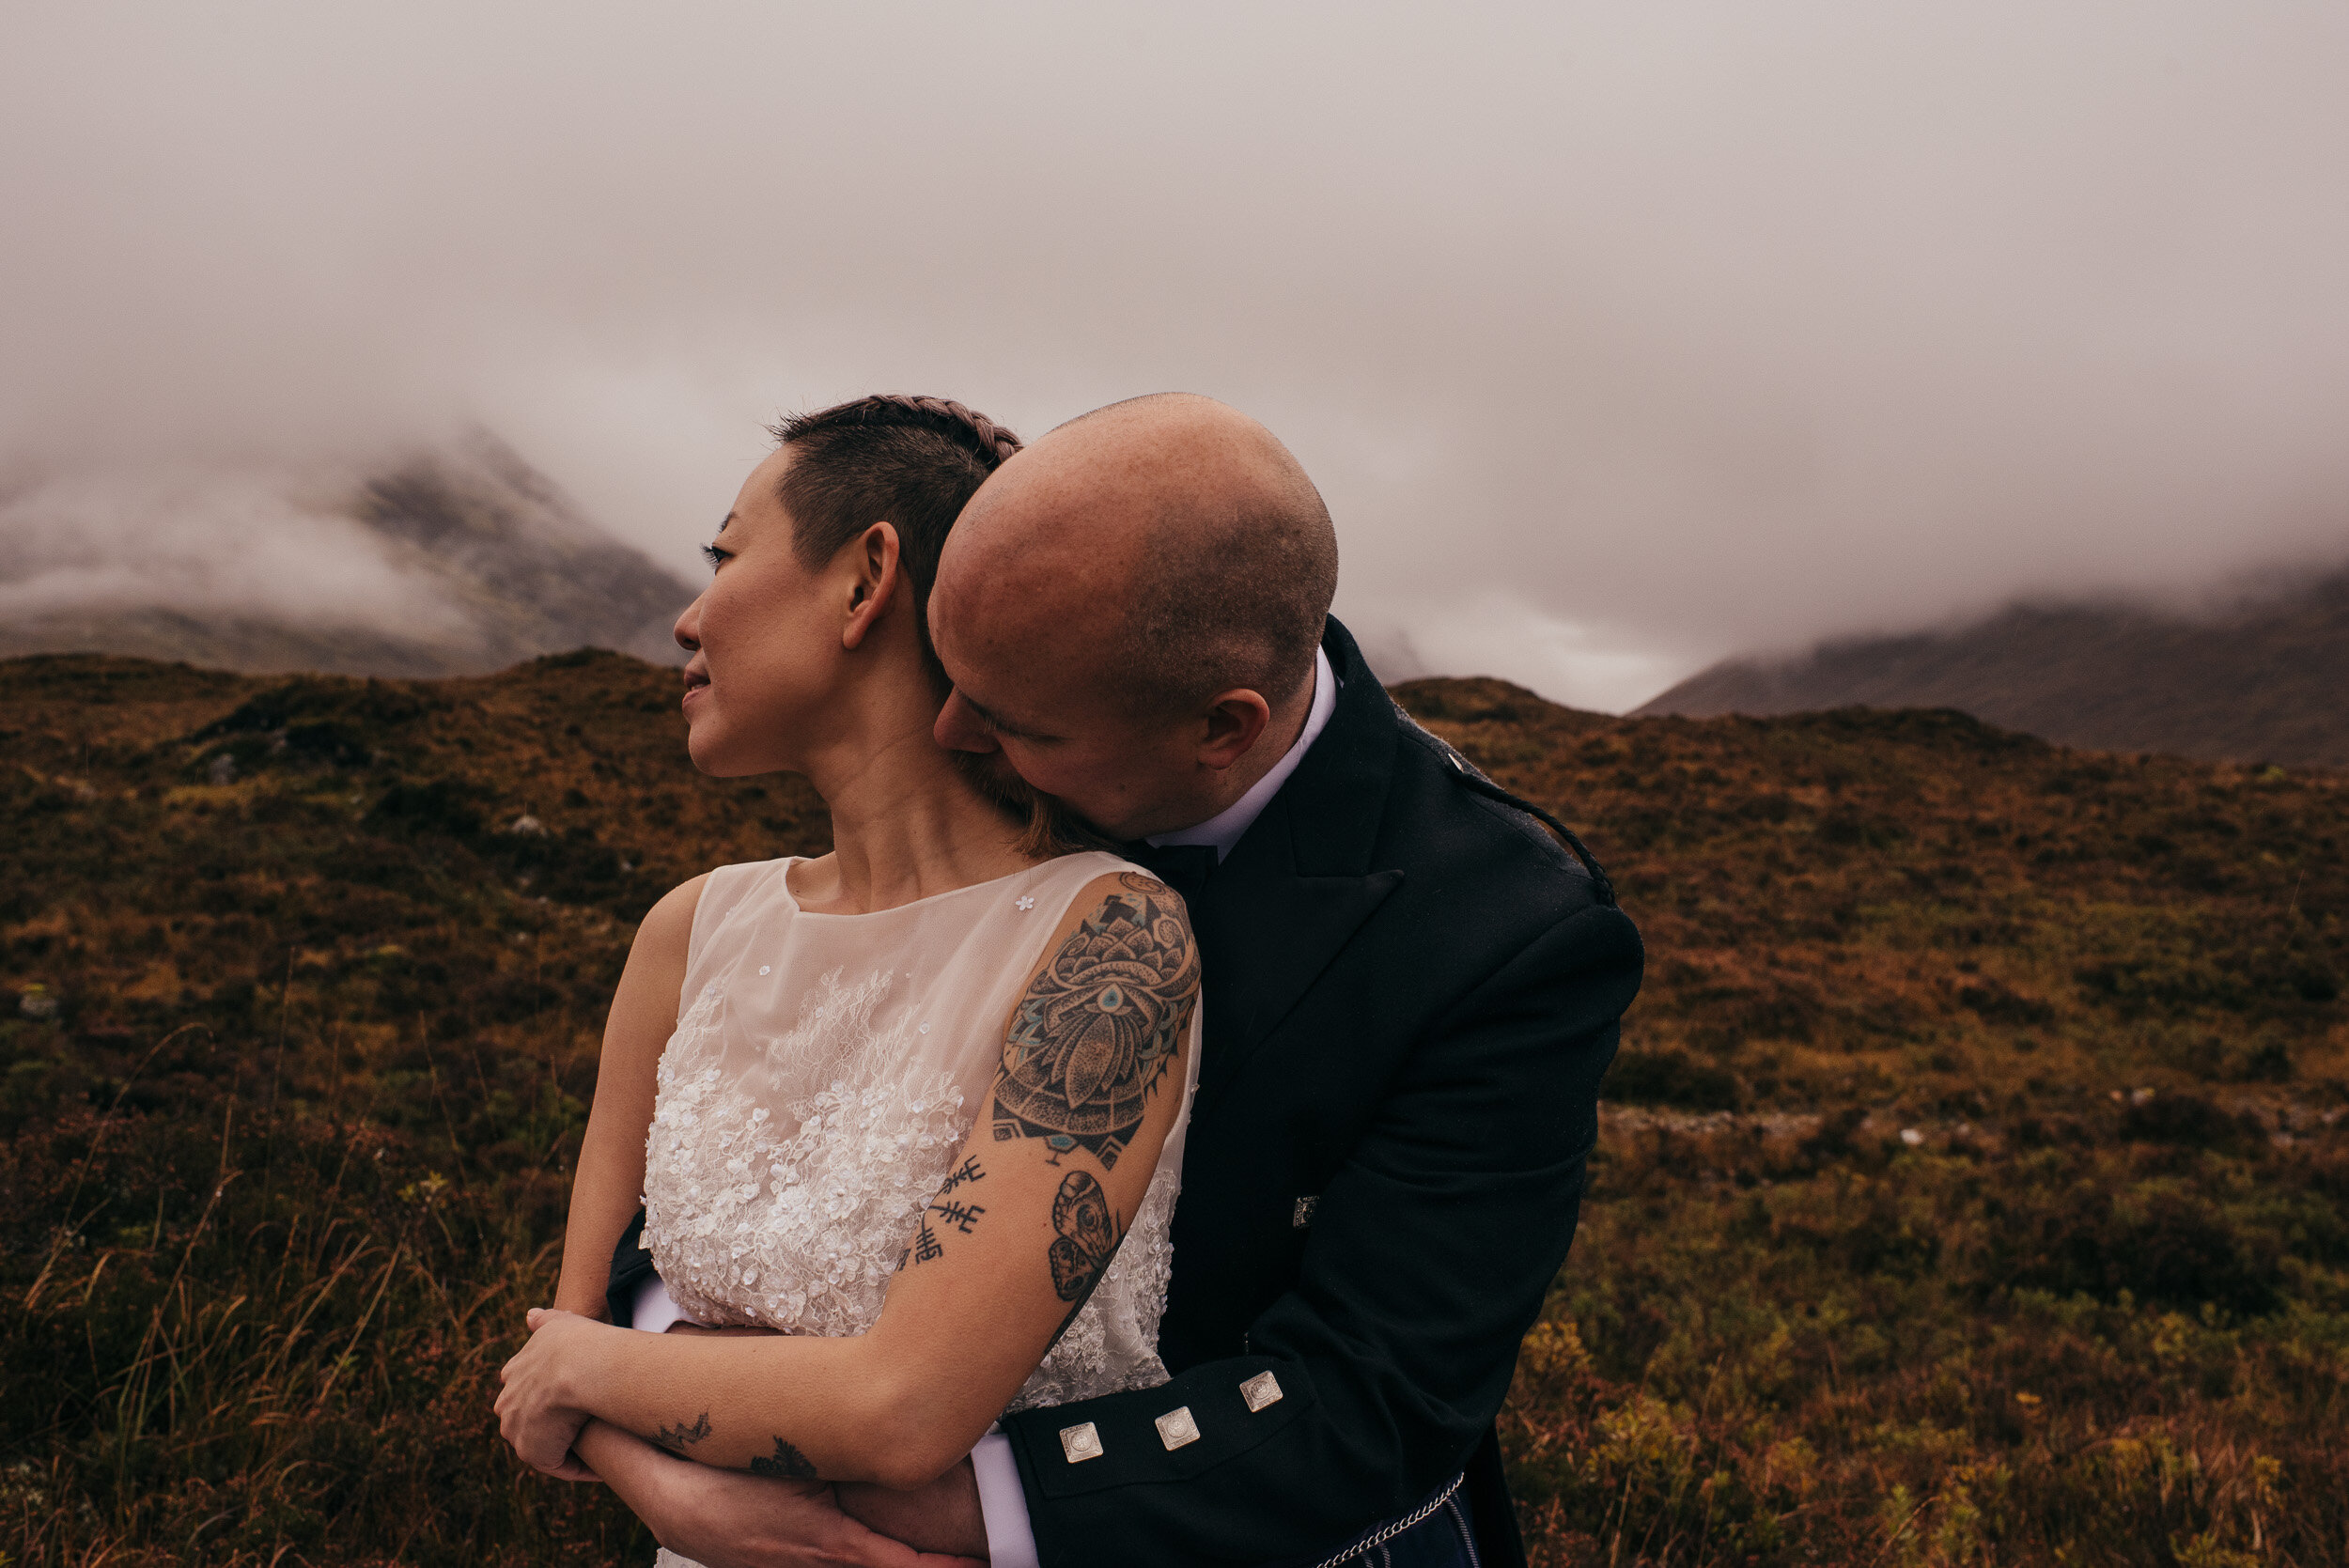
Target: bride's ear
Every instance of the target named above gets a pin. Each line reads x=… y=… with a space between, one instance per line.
x=873 y=583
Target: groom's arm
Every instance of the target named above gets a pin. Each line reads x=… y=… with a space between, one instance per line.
x=767 y=1523
x=1428 y=1257
x=728 y=1519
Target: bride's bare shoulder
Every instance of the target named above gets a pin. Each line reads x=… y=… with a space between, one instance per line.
x=667 y=929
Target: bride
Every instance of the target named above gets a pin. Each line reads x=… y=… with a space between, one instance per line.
x=916 y=1107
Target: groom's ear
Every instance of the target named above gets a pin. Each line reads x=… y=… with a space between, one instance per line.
x=873 y=555
x=1231 y=723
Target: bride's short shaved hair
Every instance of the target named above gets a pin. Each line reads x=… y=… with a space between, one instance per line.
x=913 y=462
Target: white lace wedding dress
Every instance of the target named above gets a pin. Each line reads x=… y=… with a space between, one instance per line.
x=824 y=1074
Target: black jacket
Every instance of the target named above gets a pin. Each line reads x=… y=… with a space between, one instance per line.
x=1411 y=991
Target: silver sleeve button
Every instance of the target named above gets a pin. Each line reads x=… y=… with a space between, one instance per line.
x=1260 y=1391
x=1175 y=1428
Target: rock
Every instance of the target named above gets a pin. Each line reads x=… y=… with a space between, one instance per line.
x=37 y=1002
x=527 y=825
x=222 y=770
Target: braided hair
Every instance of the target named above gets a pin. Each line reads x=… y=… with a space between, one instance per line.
x=906 y=410
x=913 y=462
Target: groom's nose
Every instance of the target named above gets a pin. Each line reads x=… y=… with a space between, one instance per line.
x=959 y=729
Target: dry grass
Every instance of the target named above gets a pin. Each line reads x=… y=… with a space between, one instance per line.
x=2093 y=1307
x=289 y=1156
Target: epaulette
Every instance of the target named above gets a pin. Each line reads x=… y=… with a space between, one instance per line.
x=1472 y=778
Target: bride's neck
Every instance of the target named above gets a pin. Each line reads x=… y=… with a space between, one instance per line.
x=904 y=824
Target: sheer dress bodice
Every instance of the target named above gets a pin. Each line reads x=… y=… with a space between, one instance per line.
x=823 y=1073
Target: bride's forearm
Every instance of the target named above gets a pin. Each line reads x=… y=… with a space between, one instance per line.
x=801 y=1406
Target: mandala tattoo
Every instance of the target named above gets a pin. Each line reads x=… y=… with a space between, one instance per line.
x=1099 y=1025
x=1087 y=1239
x=680 y=1437
x=788 y=1463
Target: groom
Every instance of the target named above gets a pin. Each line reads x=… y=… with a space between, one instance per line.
x=1412 y=989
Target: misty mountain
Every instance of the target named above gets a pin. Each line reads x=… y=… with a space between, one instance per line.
x=2265 y=679
x=458 y=561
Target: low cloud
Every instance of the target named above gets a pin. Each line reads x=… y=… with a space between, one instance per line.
x=208 y=541
x=1621 y=336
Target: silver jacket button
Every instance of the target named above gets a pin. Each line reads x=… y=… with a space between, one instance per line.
x=1080 y=1442
x=1175 y=1428
x=1260 y=1391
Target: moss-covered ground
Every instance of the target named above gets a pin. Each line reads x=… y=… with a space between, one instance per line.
x=1971 y=1188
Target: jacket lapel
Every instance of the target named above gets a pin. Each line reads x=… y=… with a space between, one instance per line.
x=1300 y=881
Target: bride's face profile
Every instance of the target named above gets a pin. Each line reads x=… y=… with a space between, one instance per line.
x=770 y=638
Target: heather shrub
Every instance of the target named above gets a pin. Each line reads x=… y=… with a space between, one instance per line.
x=1970 y=1187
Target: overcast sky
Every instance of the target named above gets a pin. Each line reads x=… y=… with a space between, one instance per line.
x=1620 y=336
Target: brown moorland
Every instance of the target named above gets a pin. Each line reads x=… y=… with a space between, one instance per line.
x=1971 y=1186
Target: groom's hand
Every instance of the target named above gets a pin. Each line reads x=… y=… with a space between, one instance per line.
x=728 y=1519
x=943 y=1516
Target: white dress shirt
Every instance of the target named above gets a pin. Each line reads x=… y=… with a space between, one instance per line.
x=1002 y=1502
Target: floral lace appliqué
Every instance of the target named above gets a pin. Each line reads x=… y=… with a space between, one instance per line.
x=802 y=1232
x=797 y=1233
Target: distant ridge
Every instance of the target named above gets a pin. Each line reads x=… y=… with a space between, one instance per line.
x=509 y=565
x=2266 y=680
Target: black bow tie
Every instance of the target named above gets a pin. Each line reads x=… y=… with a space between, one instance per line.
x=1183 y=867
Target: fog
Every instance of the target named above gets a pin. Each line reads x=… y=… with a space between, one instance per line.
x=1620 y=336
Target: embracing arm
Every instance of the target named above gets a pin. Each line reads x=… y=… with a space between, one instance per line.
x=611 y=1170
x=723 y=1519
x=1428 y=1256
x=1023 y=1227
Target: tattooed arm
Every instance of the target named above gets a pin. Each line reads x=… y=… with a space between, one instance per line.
x=1014 y=1239
x=612 y=1156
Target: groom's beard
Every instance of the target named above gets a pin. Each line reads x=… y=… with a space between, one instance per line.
x=995 y=779
x=1050 y=825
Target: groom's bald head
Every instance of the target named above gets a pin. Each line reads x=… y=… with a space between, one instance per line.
x=1170 y=545
x=1129 y=609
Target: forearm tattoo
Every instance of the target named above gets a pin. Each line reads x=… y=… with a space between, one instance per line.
x=678 y=1438
x=788 y=1464
x=1099 y=1026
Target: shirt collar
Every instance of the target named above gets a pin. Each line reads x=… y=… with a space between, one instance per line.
x=1224 y=829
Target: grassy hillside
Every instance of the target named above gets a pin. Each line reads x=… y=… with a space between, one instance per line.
x=2261 y=680
x=1974 y=1188
x=1971 y=1192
